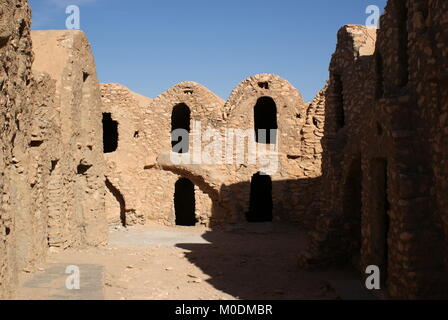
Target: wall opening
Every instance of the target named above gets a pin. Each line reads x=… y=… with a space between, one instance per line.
x=180 y=119
x=352 y=204
x=260 y=206
x=110 y=133
x=403 y=34
x=119 y=197
x=380 y=218
x=338 y=87
x=184 y=203
x=85 y=76
x=263 y=85
x=265 y=121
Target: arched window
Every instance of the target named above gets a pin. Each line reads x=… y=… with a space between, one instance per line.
x=265 y=121
x=180 y=128
x=184 y=203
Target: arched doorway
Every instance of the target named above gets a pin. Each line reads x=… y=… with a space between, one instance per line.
x=265 y=120
x=180 y=119
x=260 y=207
x=184 y=203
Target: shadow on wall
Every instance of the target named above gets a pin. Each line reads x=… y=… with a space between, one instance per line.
x=120 y=199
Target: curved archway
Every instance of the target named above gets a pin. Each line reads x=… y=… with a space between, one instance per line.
x=260 y=207
x=265 y=121
x=184 y=203
x=180 y=119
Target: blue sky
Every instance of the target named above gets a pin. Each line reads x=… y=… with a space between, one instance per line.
x=150 y=45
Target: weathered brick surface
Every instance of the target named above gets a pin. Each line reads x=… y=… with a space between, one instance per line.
x=384 y=170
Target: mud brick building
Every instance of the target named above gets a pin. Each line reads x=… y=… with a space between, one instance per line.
x=363 y=166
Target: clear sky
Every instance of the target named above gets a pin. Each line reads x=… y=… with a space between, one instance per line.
x=150 y=45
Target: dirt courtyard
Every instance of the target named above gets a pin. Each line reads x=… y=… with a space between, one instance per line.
x=244 y=261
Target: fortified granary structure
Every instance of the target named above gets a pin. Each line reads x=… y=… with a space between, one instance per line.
x=363 y=166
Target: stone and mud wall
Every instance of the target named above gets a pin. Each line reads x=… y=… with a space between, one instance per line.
x=52 y=180
x=384 y=161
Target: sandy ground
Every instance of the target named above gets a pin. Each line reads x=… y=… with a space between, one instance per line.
x=247 y=261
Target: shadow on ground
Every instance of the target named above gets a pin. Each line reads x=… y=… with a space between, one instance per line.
x=259 y=261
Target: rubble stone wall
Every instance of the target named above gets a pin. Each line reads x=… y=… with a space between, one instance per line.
x=383 y=165
x=52 y=180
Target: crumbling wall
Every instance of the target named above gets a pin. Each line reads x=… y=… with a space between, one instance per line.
x=15 y=85
x=76 y=198
x=52 y=182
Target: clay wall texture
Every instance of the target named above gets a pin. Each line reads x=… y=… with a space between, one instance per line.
x=52 y=178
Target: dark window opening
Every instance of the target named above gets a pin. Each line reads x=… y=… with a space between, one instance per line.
x=381 y=220
x=180 y=119
x=22 y=28
x=184 y=203
x=260 y=206
x=189 y=91
x=36 y=143
x=3 y=42
x=110 y=133
x=119 y=197
x=85 y=76
x=403 y=34
x=265 y=120
x=136 y=134
x=263 y=85
x=54 y=163
x=339 y=102
x=82 y=168
x=7 y=231
x=379 y=64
